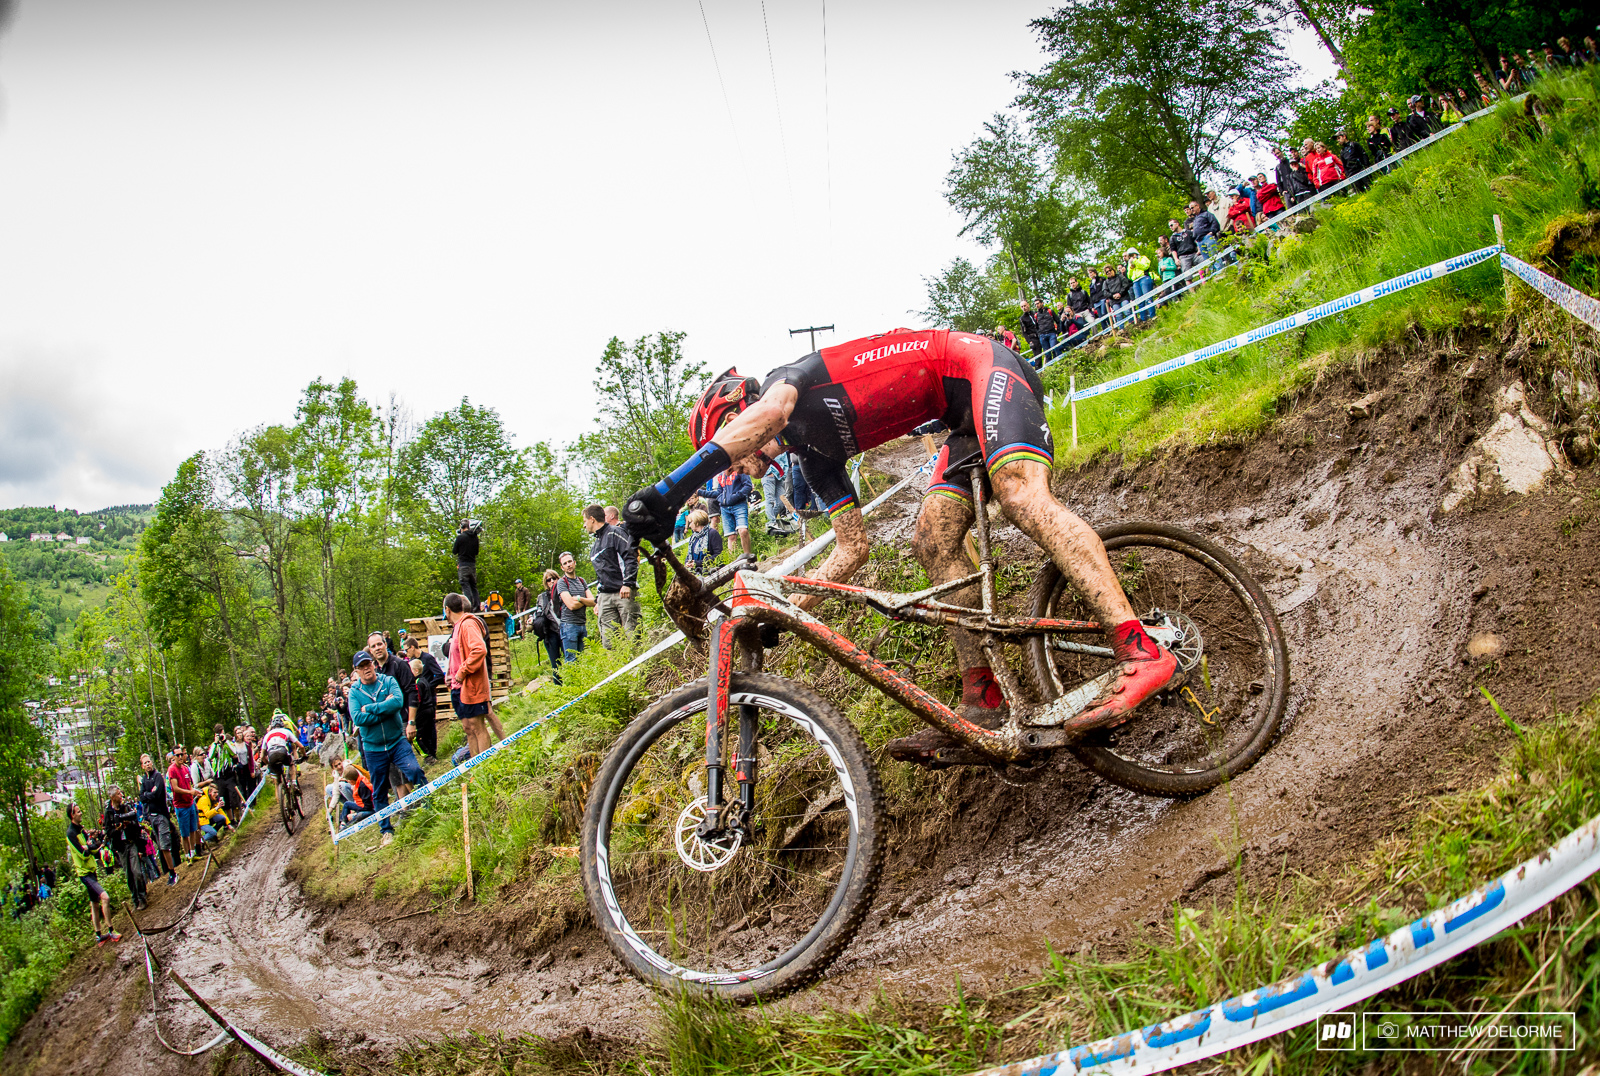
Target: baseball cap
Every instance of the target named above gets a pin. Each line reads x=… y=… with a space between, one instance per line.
x=1414 y=99
x=361 y=658
x=1393 y=111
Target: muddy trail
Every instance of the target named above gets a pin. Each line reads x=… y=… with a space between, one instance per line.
x=1394 y=610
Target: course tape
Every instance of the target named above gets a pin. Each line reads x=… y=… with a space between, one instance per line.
x=261 y=782
x=1361 y=973
x=1586 y=308
x=1296 y=321
x=417 y=795
x=155 y=1009
x=264 y=1053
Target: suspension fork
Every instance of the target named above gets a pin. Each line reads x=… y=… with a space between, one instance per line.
x=720 y=673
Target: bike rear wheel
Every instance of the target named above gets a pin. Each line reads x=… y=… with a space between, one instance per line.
x=767 y=915
x=288 y=809
x=1185 y=742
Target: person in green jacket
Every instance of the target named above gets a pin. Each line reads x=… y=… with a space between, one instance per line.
x=1136 y=267
x=83 y=847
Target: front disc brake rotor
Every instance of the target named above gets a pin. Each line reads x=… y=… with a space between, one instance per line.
x=698 y=853
x=1178 y=633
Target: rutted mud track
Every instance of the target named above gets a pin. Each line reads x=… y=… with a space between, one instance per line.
x=1378 y=595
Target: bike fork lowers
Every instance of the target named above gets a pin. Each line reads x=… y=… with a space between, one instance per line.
x=744 y=769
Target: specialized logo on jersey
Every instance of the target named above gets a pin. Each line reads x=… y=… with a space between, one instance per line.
x=999 y=392
x=841 y=423
x=890 y=349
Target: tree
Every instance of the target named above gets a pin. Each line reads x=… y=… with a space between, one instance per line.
x=1151 y=89
x=333 y=441
x=968 y=298
x=22 y=742
x=460 y=460
x=645 y=391
x=259 y=471
x=1004 y=194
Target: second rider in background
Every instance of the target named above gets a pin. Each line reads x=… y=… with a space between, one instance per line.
x=843 y=400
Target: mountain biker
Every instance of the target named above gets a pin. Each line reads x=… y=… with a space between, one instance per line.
x=281 y=746
x=834 y=403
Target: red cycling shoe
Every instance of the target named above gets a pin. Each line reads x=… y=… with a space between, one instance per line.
x=1146 y=668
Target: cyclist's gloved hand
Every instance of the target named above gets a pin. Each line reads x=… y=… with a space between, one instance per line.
x=649 y=516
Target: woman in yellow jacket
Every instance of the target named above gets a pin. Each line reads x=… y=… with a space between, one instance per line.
x=1136 y=267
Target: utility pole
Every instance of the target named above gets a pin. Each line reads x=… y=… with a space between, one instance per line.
x=813 y=330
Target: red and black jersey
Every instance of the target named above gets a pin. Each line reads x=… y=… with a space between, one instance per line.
x=863 y=393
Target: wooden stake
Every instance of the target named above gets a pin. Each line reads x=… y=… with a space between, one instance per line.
x=466 y=838
x=1072 y=402
x=1500 y=237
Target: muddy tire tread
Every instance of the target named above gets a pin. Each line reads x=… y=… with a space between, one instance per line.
x=1126 y=774
x=806 y=969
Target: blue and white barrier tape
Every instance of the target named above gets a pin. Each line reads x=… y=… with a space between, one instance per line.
x=417 y=795
x=1296 y=321
x=1586 y=308
x=245 y=810
x=1361 y=973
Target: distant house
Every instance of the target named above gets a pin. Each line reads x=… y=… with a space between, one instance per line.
x=63 y=537
x=84 y=541
x=4 y=537
x=36 y=537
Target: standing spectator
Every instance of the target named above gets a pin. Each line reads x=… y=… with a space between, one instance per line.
x=546 y=619
x=1270 y=198
x=1527 y=70
x=1203 y=225
x=1330 y=169
x=428 y=676
x=521 y=602
x=1379 y=145
x=465 y=550
x=219 y=761
x=1289 y=186
x=399 y=670
x=127 y=842
x=152 y=793
x=1421 y=124
x=81 y=848
x=1097 y=293
x=1354 y=159
x=1240 y=209
x=1045 y=320
x=1136 y=267
x=1399 y=130
x=733 y=501
x=1183 y=245
x=243 y=779
x=775 y=490
x=576 y=599
x=376 y=704
x=1077 y=298
x=1214 y=206
x=1006 y=336
x=616 y=573
x=199 y=772
x=1119 y=290
x=1166 y=265
x=1030 y=328
x=704 y=542
x=182 y=784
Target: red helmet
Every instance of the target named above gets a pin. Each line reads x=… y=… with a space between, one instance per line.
x=726 y=396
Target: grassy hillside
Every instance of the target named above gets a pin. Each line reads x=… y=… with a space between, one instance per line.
x=1438 y=203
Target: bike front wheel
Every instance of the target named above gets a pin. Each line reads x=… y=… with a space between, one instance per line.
x=1226 y=714
x=748 y=916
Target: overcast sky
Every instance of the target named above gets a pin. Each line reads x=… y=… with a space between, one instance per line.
x=205 y=205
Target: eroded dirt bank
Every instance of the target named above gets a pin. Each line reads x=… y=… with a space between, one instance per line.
x=1336 y=510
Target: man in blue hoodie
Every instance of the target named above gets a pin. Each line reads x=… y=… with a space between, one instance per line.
x=376 y=702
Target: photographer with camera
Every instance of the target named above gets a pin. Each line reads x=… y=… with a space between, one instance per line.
x=465 y=550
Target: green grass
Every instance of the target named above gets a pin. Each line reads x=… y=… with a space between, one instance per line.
x=1548 y=783
x=1437 y=204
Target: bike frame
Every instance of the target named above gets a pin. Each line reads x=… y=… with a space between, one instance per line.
x=758 y=600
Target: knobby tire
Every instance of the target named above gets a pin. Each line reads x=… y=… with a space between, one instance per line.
x=1164 y=749
x=818 y=811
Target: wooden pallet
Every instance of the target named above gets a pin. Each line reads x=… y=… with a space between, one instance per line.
x=431 y=627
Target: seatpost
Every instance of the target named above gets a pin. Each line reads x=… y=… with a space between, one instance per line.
x=981 y=525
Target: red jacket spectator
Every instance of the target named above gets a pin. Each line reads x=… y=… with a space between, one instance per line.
x=1240 y=210
x=1271 y=203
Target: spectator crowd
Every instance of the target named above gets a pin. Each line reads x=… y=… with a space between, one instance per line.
x=1126 y=290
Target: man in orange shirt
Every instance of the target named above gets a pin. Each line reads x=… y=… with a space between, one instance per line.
x=469 y=671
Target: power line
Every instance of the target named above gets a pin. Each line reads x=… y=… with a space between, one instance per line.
x=777 y=103
x=827 y=124
x=727 y=103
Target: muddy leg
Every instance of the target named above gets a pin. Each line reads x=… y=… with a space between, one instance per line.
x=942 y=527
x=1023 y=487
